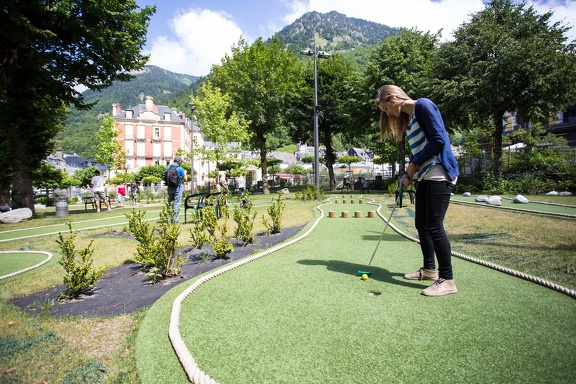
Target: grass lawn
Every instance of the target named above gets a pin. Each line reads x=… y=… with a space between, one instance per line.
x=302 y=315
x=307 y=298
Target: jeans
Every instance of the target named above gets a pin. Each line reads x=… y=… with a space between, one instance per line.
x=176 y=197
x=432 y=199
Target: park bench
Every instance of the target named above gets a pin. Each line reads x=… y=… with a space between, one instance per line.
x=198 y=201
x=90 y=200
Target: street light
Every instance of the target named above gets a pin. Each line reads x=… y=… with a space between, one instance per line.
x=192 y=108
x=321 y=55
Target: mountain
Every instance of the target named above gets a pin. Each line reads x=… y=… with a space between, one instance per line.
x=335 y=32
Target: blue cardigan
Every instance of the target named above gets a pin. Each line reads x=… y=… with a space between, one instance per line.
x=430 y=120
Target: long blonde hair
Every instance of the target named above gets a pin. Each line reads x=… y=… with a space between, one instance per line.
x=392 y=124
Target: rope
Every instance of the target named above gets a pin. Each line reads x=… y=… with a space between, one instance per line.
x=516 y=209
x=191 y=367
x=193 y=371
x=533 y=279
x=48 y=258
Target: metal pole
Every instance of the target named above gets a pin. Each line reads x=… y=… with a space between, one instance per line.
x=316 y=141
x=192 y=107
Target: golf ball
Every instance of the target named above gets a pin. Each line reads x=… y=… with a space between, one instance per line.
x=364 y=277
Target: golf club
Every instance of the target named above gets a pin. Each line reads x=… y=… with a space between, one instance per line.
x=366 y=272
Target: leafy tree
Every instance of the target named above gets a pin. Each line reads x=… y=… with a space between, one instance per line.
x=348 y=160
x=259 y=79
x=333 y=76
x=109 y=149
x=217 y=122
x=47 y=177
x=82 y=177
x=406 y=61
x=47 y=49
x=507 y=58
x=150 y=172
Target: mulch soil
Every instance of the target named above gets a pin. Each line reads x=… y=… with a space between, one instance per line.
x=126 y=288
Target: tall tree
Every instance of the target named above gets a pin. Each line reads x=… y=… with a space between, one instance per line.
x=507 y=58
x=406 y=61
x=333 y=75
x=218 y=124
x=259 y=79
x=47 y=49
x=109 y=149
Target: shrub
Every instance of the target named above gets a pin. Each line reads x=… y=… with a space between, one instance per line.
x=275 y=211
x=80 y=275
x=156 y=250
x=245 y=221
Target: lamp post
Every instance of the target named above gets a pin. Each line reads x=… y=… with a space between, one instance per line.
x=322 y=55
x=192 y=108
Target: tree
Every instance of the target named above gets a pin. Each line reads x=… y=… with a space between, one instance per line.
x=508 y=58
x=47 y=177
x=348 y=160
x=109 y=149
x=47 y=49
x=406 y=61
x=217 y=123
x=333 y=76
x=259 y=79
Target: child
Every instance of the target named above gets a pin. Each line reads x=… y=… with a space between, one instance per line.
x=121 y=194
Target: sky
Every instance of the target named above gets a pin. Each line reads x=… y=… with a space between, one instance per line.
x=189 y=36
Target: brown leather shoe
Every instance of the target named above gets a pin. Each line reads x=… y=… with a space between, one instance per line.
x=422 y=274
x=441 y=287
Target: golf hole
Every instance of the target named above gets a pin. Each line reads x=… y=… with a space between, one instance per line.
x=375 y=293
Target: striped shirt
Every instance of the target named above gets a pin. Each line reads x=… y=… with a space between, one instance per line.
x=431 y=169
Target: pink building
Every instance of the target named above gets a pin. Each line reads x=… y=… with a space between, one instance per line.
x=152 y=133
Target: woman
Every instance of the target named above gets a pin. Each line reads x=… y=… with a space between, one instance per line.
x=435 y=169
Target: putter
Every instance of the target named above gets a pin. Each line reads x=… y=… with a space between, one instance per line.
x=366 y=272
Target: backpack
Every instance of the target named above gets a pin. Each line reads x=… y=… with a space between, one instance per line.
x=171 y=177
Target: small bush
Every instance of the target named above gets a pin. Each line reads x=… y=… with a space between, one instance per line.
x=156 y=250
x=275 y=211
x=80 y=275
x=245 y=221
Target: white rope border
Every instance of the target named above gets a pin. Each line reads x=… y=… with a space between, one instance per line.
x=193 y=371
x=513 y=272
x=48 y=258
x=191 y=367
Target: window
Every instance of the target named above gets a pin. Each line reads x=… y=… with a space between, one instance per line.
x=156 y=133
x=129 y=129
x=167 y=116
x=129 y=114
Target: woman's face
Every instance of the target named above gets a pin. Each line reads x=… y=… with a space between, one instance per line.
x=390 y=106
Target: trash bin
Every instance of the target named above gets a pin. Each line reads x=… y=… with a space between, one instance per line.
x=62 y=206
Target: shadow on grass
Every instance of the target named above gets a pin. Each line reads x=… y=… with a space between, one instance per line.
x=379 y=274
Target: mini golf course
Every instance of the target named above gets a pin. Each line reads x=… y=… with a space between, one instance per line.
x=301 y=314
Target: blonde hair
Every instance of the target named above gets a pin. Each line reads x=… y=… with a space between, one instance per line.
x=392 y=124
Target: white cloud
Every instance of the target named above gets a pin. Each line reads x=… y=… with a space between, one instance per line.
x=200 y=38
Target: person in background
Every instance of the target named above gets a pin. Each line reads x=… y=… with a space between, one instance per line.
x=133 y=192
x=175 y=194
x=434 y=169
x=4 y=207
x=240 y=183
x=97 y=183
x=121 y=194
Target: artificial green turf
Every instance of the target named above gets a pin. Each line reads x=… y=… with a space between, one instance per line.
x=13 y=262
x=302 y=315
